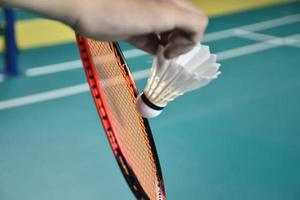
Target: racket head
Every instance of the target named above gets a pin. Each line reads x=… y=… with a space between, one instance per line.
x=114 y=93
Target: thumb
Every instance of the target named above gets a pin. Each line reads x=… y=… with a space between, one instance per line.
x=148 y=43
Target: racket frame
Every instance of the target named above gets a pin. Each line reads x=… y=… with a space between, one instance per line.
x=103 y=108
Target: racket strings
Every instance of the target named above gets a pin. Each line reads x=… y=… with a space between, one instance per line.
x=131 y=133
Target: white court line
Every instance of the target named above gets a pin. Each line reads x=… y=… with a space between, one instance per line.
x=2 y=77
x=57 y=93
x=252 y=35
x=44 y=96
x=140 y=74
x=288 y=41
x=48 y=69
x=245 y=50
x=266 y=43
x=297 y=37
x=134 y=53
x=76 y=89
x=54 y=68
x=253 y=27
x=294 y=37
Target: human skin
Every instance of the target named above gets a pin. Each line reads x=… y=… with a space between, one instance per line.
x=176 y=24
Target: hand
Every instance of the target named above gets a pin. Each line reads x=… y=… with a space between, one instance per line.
x=179 y=23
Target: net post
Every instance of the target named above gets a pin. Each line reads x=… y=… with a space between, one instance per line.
x=10 y=43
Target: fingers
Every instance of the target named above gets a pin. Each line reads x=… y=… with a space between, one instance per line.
x=178 y=43
x=188 y=30
x=148 y=43
x=164 y=37
x=179 y=23
x=193 y=25
x=181 y=27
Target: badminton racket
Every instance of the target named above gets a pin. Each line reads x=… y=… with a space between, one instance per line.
x=114 y=93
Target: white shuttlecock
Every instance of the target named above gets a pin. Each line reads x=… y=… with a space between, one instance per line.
x=170 y=78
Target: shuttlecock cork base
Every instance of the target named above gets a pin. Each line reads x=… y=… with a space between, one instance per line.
x=170 y=78
x=146 y=108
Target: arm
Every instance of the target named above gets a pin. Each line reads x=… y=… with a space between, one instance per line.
x=179 y=23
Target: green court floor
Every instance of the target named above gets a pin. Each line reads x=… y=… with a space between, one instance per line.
x=238 y=138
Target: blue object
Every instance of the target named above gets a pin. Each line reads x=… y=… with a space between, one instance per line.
x=10 y=43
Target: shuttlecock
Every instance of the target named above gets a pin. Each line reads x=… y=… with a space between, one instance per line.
x=170 y=78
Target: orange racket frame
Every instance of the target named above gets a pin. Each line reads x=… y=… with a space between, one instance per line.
x=102 y=108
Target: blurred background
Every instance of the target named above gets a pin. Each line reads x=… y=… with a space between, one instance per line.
x=238 y=138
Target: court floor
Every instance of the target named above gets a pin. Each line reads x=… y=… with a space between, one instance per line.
x=238 y=138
